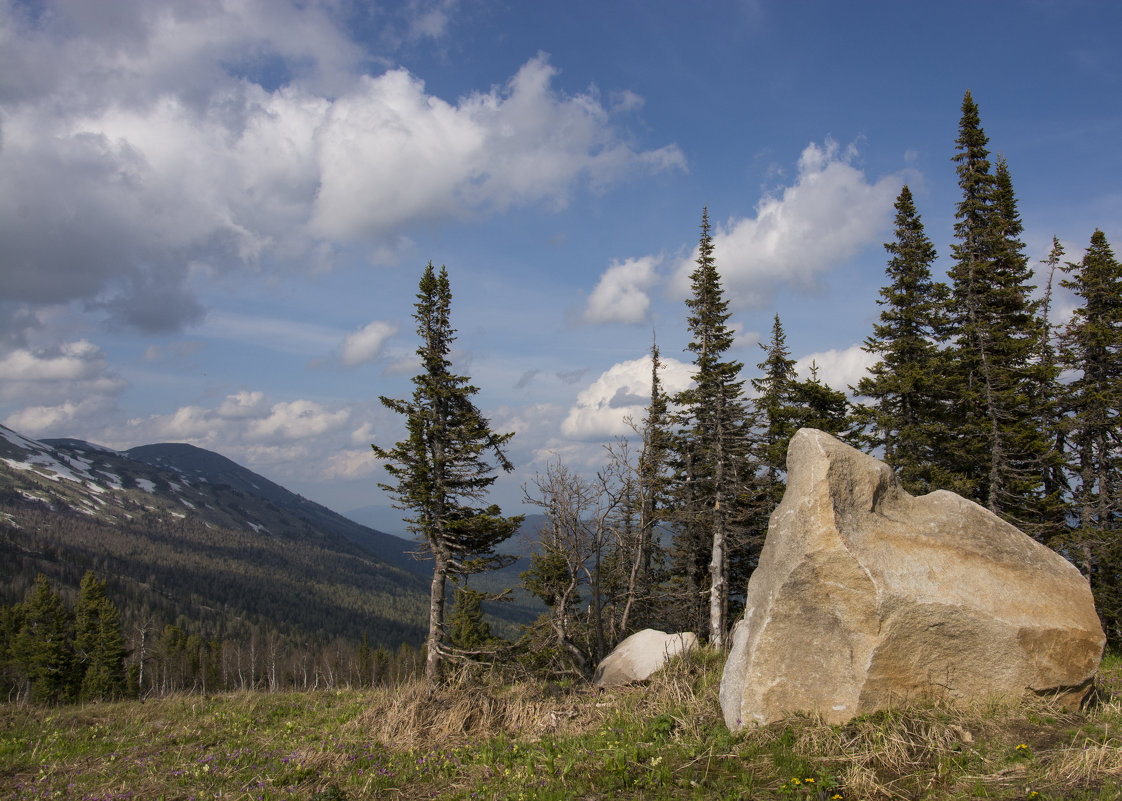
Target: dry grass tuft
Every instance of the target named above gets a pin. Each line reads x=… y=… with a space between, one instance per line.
x=687 y=689
x=413 y=716
x=1094 y=751
x=470 y=710
x=1082 y=766
x=943 y=750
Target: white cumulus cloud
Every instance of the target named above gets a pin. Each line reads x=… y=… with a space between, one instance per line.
x=55 y=384
x=284 y=440
x=36 y=419
x=622 y=294
x=71 y=361
x=622 y=391
x=364 y=345
x=352 y=463
x=390 y=152
x=830 y=213
x=297 y=420
x=363 y=435
x=838 y=369
x=242 y=419
x=243 y=405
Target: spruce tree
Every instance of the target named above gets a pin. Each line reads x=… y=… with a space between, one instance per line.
x=775 y=412
x=364 y=662
x=712 y=447
x=656 y=442
x=469 y=630
x=995 y=459
x=1030 y=382
x=965 y=458
x=1091 y=347
x=783 y=404
x=1054 y=261
x=43 y=647
x=440 y=472
x=817 y=405
x=98 y=644
x=906 y=414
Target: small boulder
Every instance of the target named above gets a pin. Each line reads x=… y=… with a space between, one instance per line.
x=867 y=597
x=640 y=655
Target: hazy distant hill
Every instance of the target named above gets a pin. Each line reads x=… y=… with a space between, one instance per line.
x=521 y=607
x=381 y=517
x=387 y=518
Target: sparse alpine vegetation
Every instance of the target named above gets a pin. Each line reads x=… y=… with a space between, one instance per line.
x=482 y=738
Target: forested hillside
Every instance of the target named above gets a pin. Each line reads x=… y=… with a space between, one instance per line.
x=196 y=464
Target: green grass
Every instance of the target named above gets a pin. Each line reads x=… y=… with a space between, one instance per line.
x=661 y=740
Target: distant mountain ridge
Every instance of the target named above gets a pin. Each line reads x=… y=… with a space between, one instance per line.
x=185 y=471
x=198 y=464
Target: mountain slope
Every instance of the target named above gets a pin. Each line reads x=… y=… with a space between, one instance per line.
x=177 y=544
x=199 y=465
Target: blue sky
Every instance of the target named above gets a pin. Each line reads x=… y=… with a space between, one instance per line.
x=213 y=216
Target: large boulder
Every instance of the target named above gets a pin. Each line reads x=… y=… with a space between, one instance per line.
x=640 y=655
x=867 y=597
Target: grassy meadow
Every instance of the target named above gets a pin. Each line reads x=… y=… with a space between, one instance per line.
x=481 y=738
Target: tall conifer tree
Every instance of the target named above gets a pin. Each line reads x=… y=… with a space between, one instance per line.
x=1091 y=346
x=440 y=471
x=712 y=443
x=995 y=460
x=1030 y=382
x=44 y=647
x=774 y=412
x=905 y=416
x=98 y=644
x=653 y=480
x=965 y=458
